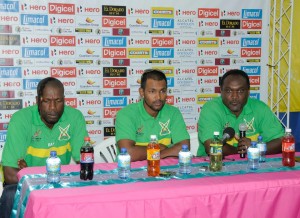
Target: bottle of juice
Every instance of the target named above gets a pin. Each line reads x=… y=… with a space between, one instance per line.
x=153 y=156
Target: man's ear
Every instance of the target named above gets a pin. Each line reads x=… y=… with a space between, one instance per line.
x=141 y=91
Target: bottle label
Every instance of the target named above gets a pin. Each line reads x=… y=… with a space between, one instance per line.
x=288 y=146
x=53 y=167
x=215 y=149
x=124 y=161
x=253 y=153
x=262 y=146
x=87 y=158
x=185 y=157
x=153 y=154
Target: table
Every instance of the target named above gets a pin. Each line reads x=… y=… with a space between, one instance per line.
x=273 y=194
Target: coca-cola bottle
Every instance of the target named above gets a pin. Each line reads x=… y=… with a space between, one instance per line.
x=86 y=160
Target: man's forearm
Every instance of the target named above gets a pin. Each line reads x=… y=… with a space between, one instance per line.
x=10 y=175
x=274 y=146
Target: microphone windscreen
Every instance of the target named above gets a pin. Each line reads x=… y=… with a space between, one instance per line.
x=230 y=131
x=243 y=127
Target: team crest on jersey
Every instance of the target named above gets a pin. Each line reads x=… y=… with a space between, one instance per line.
x=164 y=128
x=64 y=135
x=139 y=131
x=37 y=135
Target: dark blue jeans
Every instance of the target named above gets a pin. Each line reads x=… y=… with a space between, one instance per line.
x=7 y=200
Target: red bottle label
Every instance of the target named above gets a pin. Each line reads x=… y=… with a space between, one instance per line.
x=288 y=147
x=87 y=158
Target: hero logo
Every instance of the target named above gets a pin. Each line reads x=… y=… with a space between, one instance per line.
x=251 y=24
x=6 y=18
x=113 y=21
x=162 y=42
x=190 y=128
x=62 y=41
x=72 y=102
x=94 y=132
x=207 y=71
x=57 y=8
x=114 y=52
x=85 y=102
x=208 y=12
x=110 y=112
x=251 y=52
x=188 y=42
x=188 y=100
x=63 y=72
x=114 y=83
x=10 y=52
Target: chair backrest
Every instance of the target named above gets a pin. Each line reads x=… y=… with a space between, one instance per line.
x=194 y=142
x=106 y=151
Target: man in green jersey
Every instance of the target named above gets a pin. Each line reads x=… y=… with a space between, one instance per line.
x=151 y=116
x=34 y=131
x=231 y=109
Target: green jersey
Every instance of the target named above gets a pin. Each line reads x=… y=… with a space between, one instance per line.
x=260 y=120
x=29 y=138
x=134 y=123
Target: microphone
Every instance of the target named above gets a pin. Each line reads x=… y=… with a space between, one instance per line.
x=228 y=133
x=242 y=130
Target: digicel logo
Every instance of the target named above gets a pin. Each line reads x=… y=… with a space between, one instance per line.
x=62 y=41
x=162 y=42
x=251 y=52
x=113 y=22
x=66 y=72
x=208 y=12
x=115 y=83
x=251 y=24
x=110 y=112
x=72 y=102
x=170 y=100
x=57 y=8
x=207 y=71
x=254 y=80
x=114 y=52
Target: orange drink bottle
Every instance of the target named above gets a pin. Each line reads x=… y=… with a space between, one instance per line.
x=153 y=157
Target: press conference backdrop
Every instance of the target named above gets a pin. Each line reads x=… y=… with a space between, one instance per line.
x=99 y=52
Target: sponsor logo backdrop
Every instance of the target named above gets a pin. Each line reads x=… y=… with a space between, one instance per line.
x=99 y=52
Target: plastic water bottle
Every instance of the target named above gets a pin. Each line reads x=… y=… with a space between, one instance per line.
x=185 y=160
x=253 y=157
x=124 y=164
x=288 y=149
x=53 y=164
x=262 y=146
x=216 y=153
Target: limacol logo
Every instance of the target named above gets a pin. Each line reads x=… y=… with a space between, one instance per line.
x=114 y=41
x=115 y=101
x=162 y=23
x=30 y=84
x=35 y=52
x=9 y=6
x=252 y=13
x=10 y=72
x=34 y=19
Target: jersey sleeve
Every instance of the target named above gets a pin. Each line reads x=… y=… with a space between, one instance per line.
x=17 y=139
x=125 y=127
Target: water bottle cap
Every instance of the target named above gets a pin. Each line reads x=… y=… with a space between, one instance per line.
x=253 y=143
x=123 y=150
x=153 y=137
x=184 y=147
x=86 y=138
x=288 y=130
x=216 y=133
x=52 y=153
x=259 y=138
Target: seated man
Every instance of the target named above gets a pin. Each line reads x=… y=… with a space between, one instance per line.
x=151 y=116
x=34 y=131
x=234 y=107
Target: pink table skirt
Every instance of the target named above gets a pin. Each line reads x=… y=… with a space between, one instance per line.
x=248 y=195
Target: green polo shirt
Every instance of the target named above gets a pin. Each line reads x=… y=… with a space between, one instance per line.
x=29 y=138
x=134 y=123
x=260 y=120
